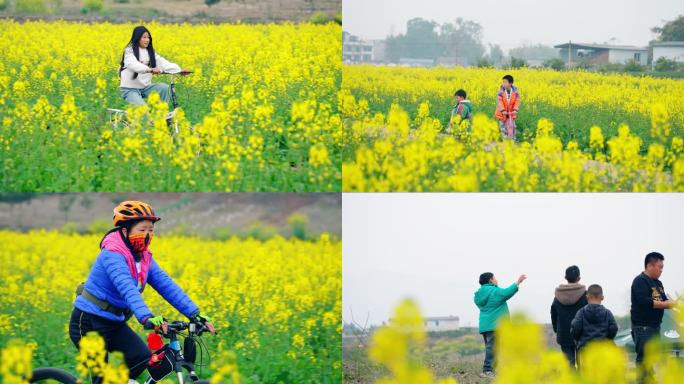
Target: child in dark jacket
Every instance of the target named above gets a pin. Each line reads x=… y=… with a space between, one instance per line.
x=593 y=321
x=568 y=299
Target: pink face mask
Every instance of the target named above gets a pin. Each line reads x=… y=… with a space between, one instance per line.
x=140 y=241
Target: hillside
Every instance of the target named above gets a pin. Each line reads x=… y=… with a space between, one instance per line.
x=193 y=213
x=257 y=11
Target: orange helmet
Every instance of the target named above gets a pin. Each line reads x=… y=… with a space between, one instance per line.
x=133 y=210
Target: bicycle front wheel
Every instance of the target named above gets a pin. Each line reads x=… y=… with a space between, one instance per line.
x=59 y=375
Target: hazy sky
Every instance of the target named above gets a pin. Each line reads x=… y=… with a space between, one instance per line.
x=511 y=23
x=433 y=247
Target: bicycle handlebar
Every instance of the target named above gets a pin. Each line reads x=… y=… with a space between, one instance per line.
x=194 y=327
x=184 y=72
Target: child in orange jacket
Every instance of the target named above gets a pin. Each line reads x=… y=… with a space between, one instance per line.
x=507 y=106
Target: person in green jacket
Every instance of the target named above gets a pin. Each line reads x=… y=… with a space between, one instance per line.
x=491 y=300
x=461 y=112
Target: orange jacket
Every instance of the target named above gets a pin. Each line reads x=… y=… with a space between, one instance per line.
x=511 y=105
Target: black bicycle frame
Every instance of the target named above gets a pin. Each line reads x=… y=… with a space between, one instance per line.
x=172 y=89
x=180 y=360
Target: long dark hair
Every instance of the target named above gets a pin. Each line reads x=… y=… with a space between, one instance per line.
x=135 y=44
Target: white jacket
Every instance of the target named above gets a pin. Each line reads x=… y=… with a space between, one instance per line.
x=133 y=65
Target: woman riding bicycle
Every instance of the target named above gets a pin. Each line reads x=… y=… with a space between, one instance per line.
x=138 y=63
x=113 y=291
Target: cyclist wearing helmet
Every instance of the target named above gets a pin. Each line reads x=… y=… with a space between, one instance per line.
x=113 y=291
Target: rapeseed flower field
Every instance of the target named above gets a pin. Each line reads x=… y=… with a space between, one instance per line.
x=276 y=304
x=578 y=131
x=259 y=113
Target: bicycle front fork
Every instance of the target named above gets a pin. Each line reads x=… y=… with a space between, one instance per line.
x=174 y=100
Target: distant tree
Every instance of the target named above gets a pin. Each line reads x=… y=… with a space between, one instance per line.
x=496 y=55
x=211 y=2
x=260 y=231
x=222 y=233
x=534 y=52
x=421 y=41
x=663 y=64
x=633 y=66
x=299 y=226
x=484 y=62
x=425 y=39
x=583 y=64
x=555 y=63
x=320 y=18
x=518 y=62
x=671 y=31
x=393 y=48
x=463 y=39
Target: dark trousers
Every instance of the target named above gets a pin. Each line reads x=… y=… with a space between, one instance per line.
x=642 y=335
x=118 y=336
x=489 y=351
x=570 y=353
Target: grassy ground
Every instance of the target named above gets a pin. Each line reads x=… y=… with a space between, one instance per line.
x=199 y=214
x=456 y=354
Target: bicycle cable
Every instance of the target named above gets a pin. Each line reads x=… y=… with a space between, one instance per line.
x=203 y=345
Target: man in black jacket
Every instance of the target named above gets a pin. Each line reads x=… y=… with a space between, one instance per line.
x=648 y=303
x=568 y=299
x=593 y=321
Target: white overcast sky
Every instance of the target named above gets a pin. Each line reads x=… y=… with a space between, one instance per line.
x=433 y=247
x=511 y=23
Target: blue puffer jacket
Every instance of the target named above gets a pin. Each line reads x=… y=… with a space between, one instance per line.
x=110 y=279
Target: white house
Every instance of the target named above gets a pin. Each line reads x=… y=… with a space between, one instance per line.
x=441 y=323
x=355 y=50
x=673 y=50
x=571 y=53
